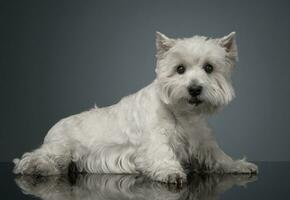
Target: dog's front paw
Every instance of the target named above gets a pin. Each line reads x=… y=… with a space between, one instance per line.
x=177 y=178
x=244 y=167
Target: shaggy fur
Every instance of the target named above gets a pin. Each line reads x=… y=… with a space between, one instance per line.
x=160 y=131
x=121 y=187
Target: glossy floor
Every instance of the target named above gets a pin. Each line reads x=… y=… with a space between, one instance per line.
x=272 y=182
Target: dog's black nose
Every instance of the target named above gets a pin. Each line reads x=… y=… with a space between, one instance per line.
x=195 y=90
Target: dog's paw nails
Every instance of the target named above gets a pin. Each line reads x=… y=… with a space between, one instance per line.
x=253 y=168
x=244 y=167
x=175 y=180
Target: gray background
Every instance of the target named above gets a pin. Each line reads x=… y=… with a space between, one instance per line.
x=61 y=57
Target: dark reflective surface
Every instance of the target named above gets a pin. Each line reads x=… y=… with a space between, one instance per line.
x=271 y=183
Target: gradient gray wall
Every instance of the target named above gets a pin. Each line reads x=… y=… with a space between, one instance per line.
x=61 y=57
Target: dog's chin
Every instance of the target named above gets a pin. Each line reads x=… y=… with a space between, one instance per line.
x=196 y=105
x=195 y=101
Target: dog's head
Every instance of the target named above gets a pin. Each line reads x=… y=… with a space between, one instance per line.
x=195 y=73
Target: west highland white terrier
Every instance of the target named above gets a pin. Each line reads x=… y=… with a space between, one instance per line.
x=160 y=131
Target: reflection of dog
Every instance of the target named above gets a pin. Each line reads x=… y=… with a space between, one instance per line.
x=113 y=187
x=156 y=131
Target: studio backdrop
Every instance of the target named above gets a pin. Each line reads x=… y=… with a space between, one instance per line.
x=59 y=58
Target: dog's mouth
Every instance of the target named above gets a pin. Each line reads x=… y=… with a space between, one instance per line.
x=194 y=101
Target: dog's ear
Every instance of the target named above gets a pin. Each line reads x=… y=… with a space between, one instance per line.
x=163 y=43
x=228 y=42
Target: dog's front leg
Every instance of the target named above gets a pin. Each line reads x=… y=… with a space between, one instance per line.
x=156 y=159
x=218 y=161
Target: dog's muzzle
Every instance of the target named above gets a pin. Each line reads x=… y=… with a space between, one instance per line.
x=194 y=92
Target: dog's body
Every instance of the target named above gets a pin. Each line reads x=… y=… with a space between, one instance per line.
x=160 y=131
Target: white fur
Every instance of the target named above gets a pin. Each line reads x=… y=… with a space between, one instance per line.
x=154 y=131
x=116 y=187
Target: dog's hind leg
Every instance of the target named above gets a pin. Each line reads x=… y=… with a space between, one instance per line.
x=49 y=159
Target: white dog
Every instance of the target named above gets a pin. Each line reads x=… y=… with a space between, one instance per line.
x=161 y=130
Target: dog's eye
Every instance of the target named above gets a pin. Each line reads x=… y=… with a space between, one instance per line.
x=180 y=69
x=208 y=68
